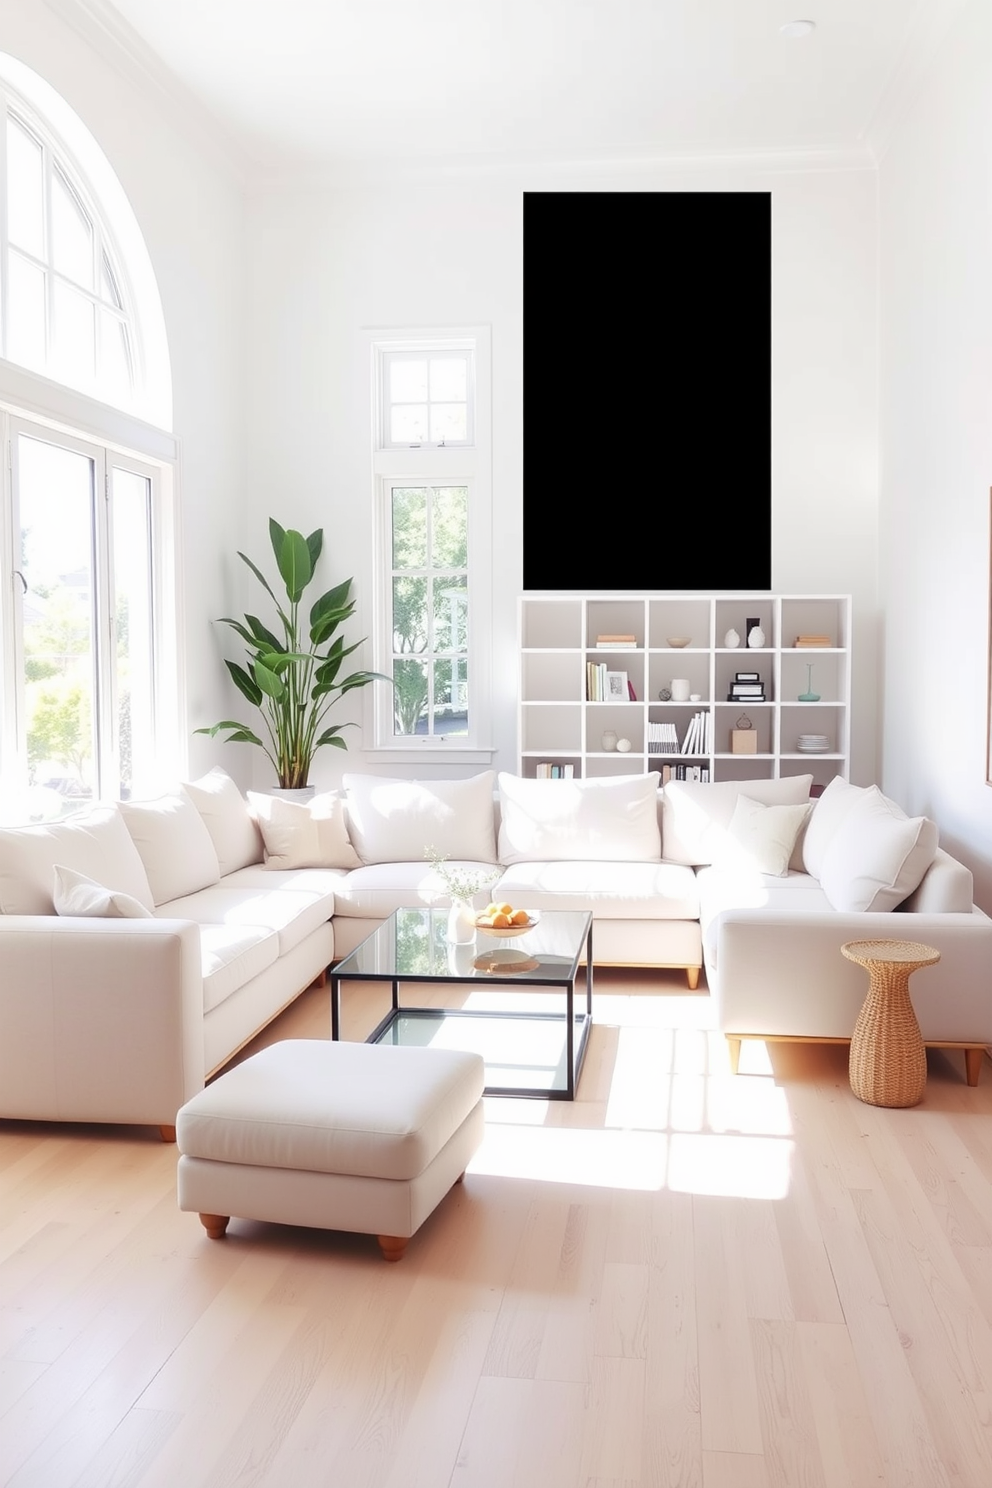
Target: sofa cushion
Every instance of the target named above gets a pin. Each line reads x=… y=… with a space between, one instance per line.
x=174 y=844
x=610 y=891
x=877 y=856
x=761 y=837
x=293 y=904
x=75 y=894
x=376 y=889
x=609 y=819
x=227 y=817
x=95 y=842
x=829 y=811
x=394 y=821
x=304 y=834
x=695 y=815
x=723 y=890
x=230 y=956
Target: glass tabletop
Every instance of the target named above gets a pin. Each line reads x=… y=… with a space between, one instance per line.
x=412 y=944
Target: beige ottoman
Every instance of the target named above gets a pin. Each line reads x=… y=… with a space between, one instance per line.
x=337 y=1136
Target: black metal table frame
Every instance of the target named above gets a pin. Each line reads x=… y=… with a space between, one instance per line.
x=575 y=1048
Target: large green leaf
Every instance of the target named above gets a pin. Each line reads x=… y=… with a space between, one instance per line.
x=245 y=683
x=237 y=733
x=315 y=543
x=276 y=537
x=270 y=682
x=261 y=633
x=258 y=574
x=294 y=564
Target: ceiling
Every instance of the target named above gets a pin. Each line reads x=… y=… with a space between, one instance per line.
x=362 y=84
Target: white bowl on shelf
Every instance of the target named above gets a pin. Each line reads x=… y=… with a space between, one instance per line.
x=679 y=641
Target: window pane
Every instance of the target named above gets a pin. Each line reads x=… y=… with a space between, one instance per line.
x=409 y=526
x=449 y=548
x=410 y=696
x=55 y=490
x=450 y=615
x=408 y=381
x=449 y=380
x=26 y=314
x=408 y=424
x=449 y=422
x=451 y=695
x=72 y=337
x=25 y=190
x=410 y=624
x=133 y=625
x=72 y=234
x=116 y=380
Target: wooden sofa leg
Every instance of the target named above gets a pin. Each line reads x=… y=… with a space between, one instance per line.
x=973 y=1064
x=215 y=1224
x=734 y=1050
x=692 y=977
x=392 y=1246
x=167 y=1133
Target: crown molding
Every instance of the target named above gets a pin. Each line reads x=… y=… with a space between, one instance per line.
x=290 y=177
x=927 y=31
x=101 y=26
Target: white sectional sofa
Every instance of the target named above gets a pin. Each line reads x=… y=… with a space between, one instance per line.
x=143 y=943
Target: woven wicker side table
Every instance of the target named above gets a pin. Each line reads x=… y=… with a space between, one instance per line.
x=888 y=1062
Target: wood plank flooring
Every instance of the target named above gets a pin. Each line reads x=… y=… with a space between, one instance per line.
x=682 y=1278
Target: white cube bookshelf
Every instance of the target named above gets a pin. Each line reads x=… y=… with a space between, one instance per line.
x=559 y=725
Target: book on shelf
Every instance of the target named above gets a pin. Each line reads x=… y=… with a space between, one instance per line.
x=632 y=695
x=547 y=770
x=616 y=645
x=615 y=635
x=813 y=640
x=684 y=772
x=747 y=676
x=746 y=697
x=751 y=690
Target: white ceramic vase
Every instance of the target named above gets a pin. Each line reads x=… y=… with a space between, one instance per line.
x=756 y=636
x=461 y=923
x=731 y=639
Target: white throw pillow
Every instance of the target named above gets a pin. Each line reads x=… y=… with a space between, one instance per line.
x=393 y=821
x=95 y=842
x=761 y=837
x=226 y=815
x=695 y=815
x=174 y=844
x=304 y=834
x=829 y=811
x=877 y=856
x=75 y=894
x=613 y=819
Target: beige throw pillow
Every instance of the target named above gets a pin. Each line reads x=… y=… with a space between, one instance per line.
x=877 y=856
x=761 y=837
x=393 y=821
x=174 y=845
x=75 y=894
x=601 y=819
x=304 y=834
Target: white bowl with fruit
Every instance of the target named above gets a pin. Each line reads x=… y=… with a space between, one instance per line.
x=503 y=920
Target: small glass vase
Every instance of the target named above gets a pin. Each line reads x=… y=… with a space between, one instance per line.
x=809 y=696
x=461 y=923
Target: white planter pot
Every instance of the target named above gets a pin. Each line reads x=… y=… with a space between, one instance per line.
x=461 y=924
x=293 y=793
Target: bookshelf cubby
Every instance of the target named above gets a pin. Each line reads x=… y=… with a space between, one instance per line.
x=560 y=724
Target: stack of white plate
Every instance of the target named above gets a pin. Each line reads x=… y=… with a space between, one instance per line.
x=813 y=744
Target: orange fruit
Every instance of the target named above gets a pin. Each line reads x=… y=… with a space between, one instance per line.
x=506 y=909
x=501 y=921
x=519 y=917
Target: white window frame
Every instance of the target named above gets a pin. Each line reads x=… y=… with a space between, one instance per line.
x=30 y=405
x=432 y=465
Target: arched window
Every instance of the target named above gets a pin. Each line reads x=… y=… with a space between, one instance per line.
x=89 y=612
x=78 y=299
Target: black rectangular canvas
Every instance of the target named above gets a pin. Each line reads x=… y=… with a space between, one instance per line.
x=647 y=390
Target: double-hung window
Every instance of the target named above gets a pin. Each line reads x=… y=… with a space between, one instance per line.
x=432 y=473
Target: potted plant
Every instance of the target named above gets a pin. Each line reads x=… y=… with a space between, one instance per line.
x=294 y=679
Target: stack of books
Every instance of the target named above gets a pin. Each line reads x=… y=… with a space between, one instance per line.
x=698 y=736
x=684 y=772
x=610 y=642
x=662 y=738
x=547 y=771
x=813 y=640
x=747 y=687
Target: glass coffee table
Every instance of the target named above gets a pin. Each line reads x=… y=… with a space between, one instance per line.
x=533 y=1040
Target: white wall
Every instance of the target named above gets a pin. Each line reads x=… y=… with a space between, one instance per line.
x=328 y=262
x=190 y=206
x=936 y=445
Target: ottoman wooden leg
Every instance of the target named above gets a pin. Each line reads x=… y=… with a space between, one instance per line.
x=167 y=1133
x=215 y=1224
x=392 y=1246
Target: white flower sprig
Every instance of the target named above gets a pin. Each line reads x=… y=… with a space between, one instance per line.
x=460 y=883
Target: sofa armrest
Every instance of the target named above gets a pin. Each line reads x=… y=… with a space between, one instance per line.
x=100 y=1019
x=783 y=974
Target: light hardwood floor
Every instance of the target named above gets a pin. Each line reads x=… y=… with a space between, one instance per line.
x=684 y=1278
